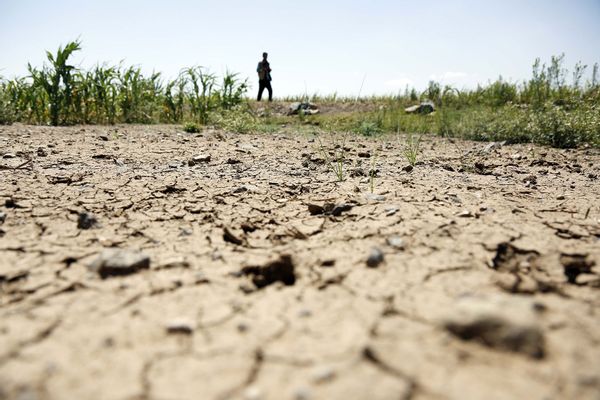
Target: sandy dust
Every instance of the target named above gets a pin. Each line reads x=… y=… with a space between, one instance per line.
x=244 y=273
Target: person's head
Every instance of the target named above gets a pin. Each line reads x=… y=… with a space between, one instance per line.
x=265 y=55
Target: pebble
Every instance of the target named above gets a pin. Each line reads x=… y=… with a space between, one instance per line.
x=323 y=374
x=2 y=217
x=302 y=393
x=304 y=313
x=86 y=221
x=375 y=258
x=180 y=326
x=395 y=242
x=8 y=155
x=465 y=214
x=200 y=158
x=375 y=197
x=116 y=262
x=389 y=211
x=246 y=188
x=253 y=393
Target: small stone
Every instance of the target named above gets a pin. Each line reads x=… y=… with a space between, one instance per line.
x=2 y=217
x=200 y=158
x=41 y=152
x=200 y=277
x=304 y=313
x=491 y=146
x=364 y=154
x=246 y=188
x=253 y=393
x=233 y=161
x=185 y=232
x=180 y=326
x=104 y=138
x=530 y=180
x=8 y=155
x=560 y=197
x=465 y=214
x=118 y=262
x=395 y=242
x=375 y=197
x=375 y=258
x=86 y=221
x=323 y=374
x=407 y=168
x=243 y=327
x=389 y=211
x=302 y=393
x=328 y=263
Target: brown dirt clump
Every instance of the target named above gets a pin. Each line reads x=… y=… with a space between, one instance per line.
x=238 y=268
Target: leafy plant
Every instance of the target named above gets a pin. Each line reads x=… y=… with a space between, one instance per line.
x=191 y=127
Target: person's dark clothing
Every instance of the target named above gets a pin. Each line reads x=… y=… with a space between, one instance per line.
x=262 y=85
x=264 y=79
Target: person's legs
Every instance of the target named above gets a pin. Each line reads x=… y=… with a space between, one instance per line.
x=270 y=90
x=261 y=88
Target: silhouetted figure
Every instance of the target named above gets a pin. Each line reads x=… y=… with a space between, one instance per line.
x=264 y=78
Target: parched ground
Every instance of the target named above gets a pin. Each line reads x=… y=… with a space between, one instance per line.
x=475 y=275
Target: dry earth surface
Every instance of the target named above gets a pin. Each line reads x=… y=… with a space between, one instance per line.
x=247 y=272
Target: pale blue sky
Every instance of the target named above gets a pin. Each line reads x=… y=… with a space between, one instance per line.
x=323 y=46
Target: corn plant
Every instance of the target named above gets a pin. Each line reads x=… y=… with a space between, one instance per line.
x=231 y=90
x=200 y=96
x=56 y=81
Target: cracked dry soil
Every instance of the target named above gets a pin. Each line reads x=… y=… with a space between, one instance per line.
x=482 y=282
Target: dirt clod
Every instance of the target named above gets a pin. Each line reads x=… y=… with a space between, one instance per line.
x=576 y=264
x=118 y=262
x=498 y=323
x=280 y=270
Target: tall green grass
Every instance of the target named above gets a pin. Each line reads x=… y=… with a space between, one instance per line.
x=554 y=107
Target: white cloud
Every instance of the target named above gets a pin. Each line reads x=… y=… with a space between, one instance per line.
x=448 y=75
x=399 y=82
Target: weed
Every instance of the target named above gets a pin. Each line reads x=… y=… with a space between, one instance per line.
x=238 y=120
x=335 y=163
x=191 y=127
x=411 y=148
x=373 y=171
x=368 y=128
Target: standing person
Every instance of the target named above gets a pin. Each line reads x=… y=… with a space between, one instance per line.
x=264 y=78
